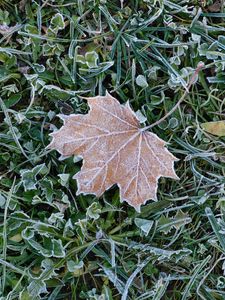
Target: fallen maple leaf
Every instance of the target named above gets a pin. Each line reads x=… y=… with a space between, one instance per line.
x=115 y=150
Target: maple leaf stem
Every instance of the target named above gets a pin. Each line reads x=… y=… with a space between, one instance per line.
x=192 y=80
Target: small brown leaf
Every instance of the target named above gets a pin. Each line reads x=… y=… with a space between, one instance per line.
x=215 y=7
x=115 y=150
x=216 y=128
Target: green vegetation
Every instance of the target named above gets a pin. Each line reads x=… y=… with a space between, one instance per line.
x=56 y=245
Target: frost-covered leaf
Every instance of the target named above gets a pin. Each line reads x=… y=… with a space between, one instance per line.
x=47 y=270
x=144 y=225
x=19 y=218
x=93 y=211
x=115 y=150
x=91 y=59
x=220 y=282
x=68 y=229
x=161 y=254
x=64 y=178
x=28 y=233
x=57 y=248
x=50 y=246
x=47 y=188
x=57 y=22
x=24 y=295
x=181 y=219
x=29 y=178
x=209 y=51
x=74 y=266
x=56 y=218
x=36 y=287
x=141 y=81
x=140 y=116
x=80 y=59
x=166 y=224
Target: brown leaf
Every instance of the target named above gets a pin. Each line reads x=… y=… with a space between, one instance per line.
x=115 y=150
x=215 y=7
x=216 y=128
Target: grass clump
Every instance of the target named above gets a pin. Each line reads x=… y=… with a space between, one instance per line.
x=56 y=245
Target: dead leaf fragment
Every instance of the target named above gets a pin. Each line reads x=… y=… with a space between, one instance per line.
x=215 y=7
x=216 y=128
x=115 y=150
x=7 y=32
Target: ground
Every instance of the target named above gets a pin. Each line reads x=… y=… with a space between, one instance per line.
x=56 y=245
